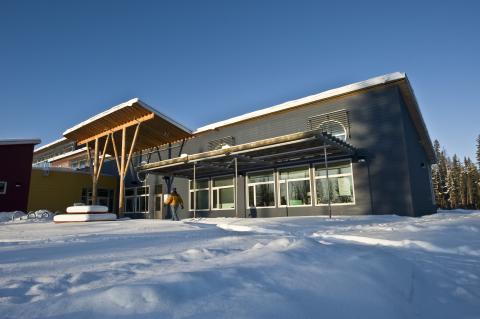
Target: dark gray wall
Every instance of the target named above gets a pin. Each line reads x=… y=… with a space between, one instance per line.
x=391 y=181
x=419 y=169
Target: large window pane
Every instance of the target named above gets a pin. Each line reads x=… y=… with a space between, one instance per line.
x=265 y=195
x=202 y=199
x=251 y=196
x=261 y=189
x=215 y=199
x=283 y=194
x=333 y=169
x=298 y=193
x=142 y=203
x=200 y=184
x=260 y=177
x=294 y=173
x=341 y=183
x=129 y=205
x=226 y=199
x=219 y=182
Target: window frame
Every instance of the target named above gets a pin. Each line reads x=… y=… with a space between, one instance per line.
x=279 y=181
x=5 y=183
x=247 y=184
x=315 y=177
x=213 y=188
x=190 y=203
x=137 y=197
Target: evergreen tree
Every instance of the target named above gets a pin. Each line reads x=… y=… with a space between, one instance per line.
x=472 y=188
x=478 y=151
x=439 y=177
x=453 y=182
x=463 y=184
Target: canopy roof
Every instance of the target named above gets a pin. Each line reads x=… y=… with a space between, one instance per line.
x=284 y=150
x=156 y=128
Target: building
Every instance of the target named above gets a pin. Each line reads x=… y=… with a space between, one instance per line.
x=15 y=170
x=61 y=176
x=359 y=149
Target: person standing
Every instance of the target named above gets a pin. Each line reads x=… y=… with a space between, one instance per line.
x=174 y=201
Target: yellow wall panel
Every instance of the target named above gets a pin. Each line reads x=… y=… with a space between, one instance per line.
x=56 y=189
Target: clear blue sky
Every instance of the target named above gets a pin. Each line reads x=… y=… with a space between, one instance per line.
x=203 y=61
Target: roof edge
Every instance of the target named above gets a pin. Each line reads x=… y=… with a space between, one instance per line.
x=20 y=141
x=58 y=141
x=123 y=105
x=357 y=86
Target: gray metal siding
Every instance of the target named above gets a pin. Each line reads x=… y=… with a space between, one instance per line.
x=419 y=165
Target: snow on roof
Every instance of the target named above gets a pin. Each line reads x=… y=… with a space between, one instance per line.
x=305 y=100
x=50 y=144
x=67 y=154
x=123 y=105
x=17 y=141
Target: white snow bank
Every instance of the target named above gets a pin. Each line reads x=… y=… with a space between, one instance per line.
x=462 y=250
x=303 y=267
x=19 y=216
x=9 y=216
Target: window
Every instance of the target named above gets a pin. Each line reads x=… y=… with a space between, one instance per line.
x=201 y=191
x=341 y=183
x=104 y=197
x=78 y=164
x=294 y=186
x=334 y=128
x=220 y=143
x=136 y=199
x=261 y=189
x=223 y=193
x=3 y=188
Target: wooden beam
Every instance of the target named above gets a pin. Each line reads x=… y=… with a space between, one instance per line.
x=116 y=153
x=121 y=195
x=94 y=177
x=104 y=153
x=133 y=145
x=118 y=128
x=89 y=157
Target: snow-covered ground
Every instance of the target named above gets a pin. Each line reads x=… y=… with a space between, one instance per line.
x=307 y=267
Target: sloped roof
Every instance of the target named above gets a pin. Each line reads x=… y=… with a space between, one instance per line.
x=156 y=128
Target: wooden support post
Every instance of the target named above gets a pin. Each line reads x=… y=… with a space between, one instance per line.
x=124 y=166
x=115 y=153
x=104 y=153
x=94 y=177
x=121 y=195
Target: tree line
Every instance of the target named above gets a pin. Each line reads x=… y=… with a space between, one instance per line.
x=456 y=182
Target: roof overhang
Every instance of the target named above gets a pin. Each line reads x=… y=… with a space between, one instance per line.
x=291 y=149
x=156 y=128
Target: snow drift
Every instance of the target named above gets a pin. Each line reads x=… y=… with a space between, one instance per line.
x=304 y=267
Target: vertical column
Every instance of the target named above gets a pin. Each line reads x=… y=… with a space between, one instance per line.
x=95 y=170
x=121 y=195
x=194 y=189
x=235 y=198
x=328 y=179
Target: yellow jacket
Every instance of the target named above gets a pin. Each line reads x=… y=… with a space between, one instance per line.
x=174 y=200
